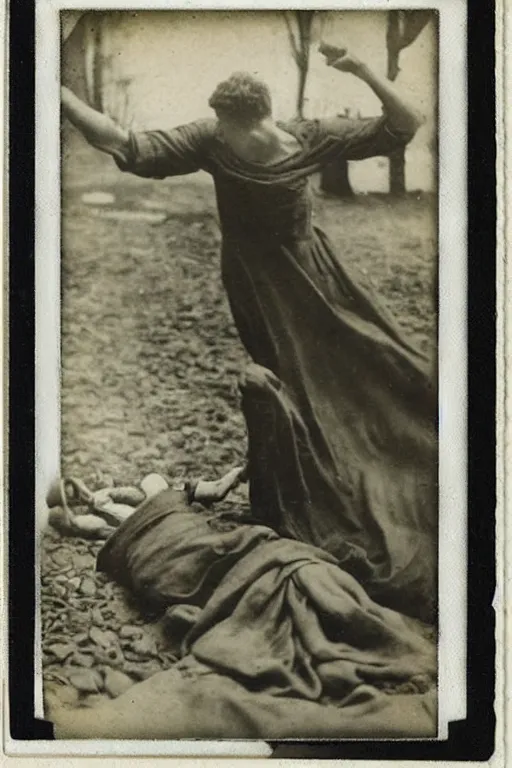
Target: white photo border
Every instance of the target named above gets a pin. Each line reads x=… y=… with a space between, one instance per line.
x=452 y=327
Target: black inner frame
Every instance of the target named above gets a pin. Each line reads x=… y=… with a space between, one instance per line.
x=470 y=739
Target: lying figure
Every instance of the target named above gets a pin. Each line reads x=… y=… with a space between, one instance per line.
x=279 y=637
x=277 y=641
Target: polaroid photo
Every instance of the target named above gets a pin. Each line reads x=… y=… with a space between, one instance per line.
x=250 y=385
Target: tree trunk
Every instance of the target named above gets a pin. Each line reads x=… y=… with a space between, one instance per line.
x=334 y=179
x=98 y=67
x=303 y=75
x=396 y=158
x=301 y=45
x=397 y=172
x=393 y=44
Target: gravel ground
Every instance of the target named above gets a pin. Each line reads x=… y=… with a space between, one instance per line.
x=150 y=359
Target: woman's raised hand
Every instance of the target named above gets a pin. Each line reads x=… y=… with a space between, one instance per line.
x=401 y=116
x=340 y=58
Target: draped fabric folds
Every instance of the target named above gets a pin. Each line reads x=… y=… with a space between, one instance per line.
x=267 y=624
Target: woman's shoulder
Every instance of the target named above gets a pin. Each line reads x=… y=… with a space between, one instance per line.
x=201 y=130
x=303 y=128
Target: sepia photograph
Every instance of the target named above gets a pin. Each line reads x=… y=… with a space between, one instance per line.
x=242 y=538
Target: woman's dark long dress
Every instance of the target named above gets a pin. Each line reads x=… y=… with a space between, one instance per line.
x=341 y=410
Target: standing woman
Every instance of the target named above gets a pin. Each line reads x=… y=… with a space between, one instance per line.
x=341 y=410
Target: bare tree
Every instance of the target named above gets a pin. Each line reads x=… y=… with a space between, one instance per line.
x=300 y=42
x=334 y=178
x=89 y=34
x=403 y=27
x=95 y=60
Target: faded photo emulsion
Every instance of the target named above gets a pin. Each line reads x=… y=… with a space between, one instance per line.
x=242 y=542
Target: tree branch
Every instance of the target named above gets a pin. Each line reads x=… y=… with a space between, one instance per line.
x=412 y=24
x=291 y=37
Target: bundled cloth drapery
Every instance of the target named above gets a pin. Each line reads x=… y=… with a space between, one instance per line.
x=376 y=512
x=277 y=640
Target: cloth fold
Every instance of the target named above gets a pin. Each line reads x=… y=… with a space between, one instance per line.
x=272 y=625
x=191 y=702
x=377 y=518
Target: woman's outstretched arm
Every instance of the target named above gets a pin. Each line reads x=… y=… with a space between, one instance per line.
x=401 y=115
x=98 y=129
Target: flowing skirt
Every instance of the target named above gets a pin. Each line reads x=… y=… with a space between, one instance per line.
x=342 y=418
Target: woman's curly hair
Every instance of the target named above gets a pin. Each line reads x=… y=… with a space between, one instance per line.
x=242 y=98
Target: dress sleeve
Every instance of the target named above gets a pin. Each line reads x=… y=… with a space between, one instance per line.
x=357 y=139
x=158 y=154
